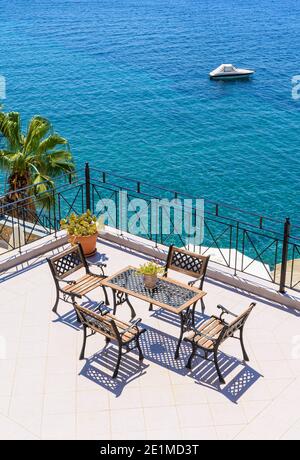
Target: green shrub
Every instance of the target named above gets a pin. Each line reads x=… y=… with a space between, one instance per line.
x=80 y=225
x=150 y=268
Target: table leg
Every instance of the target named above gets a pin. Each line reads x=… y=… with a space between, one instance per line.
x=114 y=301
x=118 y=299
x=133 y=313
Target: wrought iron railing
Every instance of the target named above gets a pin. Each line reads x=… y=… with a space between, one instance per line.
x=244 y=242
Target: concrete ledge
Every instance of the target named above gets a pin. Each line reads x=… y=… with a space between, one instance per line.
x=247 y=283
x=265 y=290
x=32 y=251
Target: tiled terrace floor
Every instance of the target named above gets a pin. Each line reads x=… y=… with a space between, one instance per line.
x=46 y=392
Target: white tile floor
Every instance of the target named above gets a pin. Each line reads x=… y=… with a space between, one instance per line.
x=47 y=393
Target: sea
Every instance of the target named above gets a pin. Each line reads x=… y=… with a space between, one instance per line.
x=126 y=82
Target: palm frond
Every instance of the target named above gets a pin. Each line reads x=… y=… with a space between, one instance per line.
x=50 y=143
x=6 y=159
x=37 y=130
x=10 y=127
x=44 y=190
x=57 y=163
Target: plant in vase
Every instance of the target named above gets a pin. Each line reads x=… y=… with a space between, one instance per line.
x=150 y=270
x=83 y=229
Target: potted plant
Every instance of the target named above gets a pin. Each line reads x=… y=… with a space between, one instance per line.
x=83 y=229
x=150 y=270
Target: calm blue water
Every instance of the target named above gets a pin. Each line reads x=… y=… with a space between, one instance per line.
x=126 y=82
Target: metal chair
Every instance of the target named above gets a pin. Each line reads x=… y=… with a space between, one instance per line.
x=211 y=334
x=125 y=334
x=68 y=263
x=188 y=263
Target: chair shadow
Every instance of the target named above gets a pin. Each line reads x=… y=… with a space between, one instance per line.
x=99 y=369
x=204 y=374
x=69 y=319
x=159 y=348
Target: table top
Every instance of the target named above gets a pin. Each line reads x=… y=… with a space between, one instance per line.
x=169 y=294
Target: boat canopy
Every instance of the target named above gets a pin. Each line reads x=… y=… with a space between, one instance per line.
x=225 y=68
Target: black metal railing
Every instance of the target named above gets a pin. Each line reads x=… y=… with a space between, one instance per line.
x=245 y=242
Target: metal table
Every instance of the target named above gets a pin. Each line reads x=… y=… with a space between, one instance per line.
x=169 y=294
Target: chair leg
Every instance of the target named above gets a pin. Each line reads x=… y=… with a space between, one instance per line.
x=245 y=356
x=202 y=306
x=151 y=307
x=107 y=340
x=141 y=356
x=105 y=295
x=217 y=367
x=83 y=344
x=118 y=362
x=189 y=363
x=54 y=309
x=115 y=302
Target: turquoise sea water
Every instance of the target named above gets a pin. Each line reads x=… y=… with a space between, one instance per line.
x=126 y=82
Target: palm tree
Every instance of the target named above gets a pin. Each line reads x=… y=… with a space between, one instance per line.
x=32 y=160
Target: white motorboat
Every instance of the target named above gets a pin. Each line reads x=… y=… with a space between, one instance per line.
x=228 y=71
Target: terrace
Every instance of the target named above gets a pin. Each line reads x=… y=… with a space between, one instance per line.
x=46 y=392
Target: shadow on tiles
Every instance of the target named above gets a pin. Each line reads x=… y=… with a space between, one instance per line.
x=159 y=348
x=99 y=369
x=204 y=373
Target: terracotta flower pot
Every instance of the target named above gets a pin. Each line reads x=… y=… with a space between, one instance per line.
x=88 y=243
x=150 y=281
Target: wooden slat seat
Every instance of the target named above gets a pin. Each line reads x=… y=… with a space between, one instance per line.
x=84 y=285
x=211 y=334
x=213 y=328
x=112 y=328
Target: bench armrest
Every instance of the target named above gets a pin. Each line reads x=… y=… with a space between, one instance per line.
x=70 y=282
x=193 y=282
x=133 y=325
x=103 y=310
x=100 y=265
x=206 y=336
x=225 y=311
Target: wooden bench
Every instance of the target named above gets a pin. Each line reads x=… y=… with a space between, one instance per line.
x=188 y=263
x=125 y=334
x=68 y=263
x=211 y=334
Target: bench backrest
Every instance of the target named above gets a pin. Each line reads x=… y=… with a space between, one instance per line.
x=187 y=262
x=67 y=262
x=97 y=322
x=236 y=324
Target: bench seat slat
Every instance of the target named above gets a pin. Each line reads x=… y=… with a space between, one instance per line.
x=84 y=285
x=212 y=327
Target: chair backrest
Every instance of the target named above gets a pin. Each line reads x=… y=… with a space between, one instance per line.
x=67 y=262
x=236 y=324
x=103 y=324
x=187 y=262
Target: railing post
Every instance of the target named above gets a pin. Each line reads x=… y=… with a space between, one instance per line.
x=284 y=258
x=87 y=186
